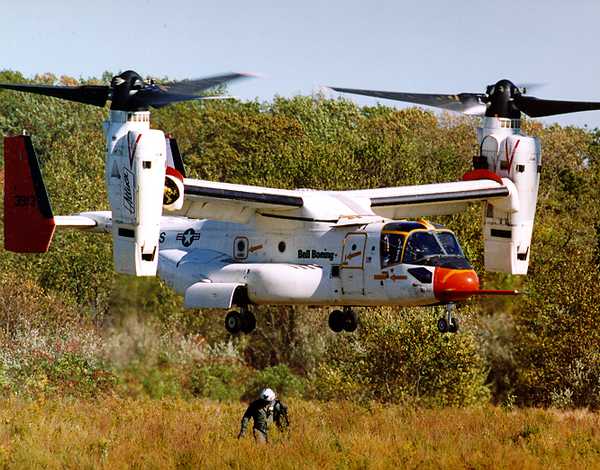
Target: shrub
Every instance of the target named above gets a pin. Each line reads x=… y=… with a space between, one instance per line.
x=160 y=383
x=279 y=378
x=218 y=382
x=401 y=357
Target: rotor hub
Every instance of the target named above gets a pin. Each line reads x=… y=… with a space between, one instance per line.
x=500 y=100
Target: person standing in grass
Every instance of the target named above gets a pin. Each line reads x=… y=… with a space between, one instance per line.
x=263 y=411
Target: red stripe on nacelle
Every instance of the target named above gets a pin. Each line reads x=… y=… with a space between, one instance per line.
x=481 y=175
x=28 y=221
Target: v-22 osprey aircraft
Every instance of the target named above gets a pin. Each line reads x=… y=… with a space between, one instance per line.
x=234 y=246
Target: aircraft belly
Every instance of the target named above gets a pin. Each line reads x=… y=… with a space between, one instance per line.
x=191 y=274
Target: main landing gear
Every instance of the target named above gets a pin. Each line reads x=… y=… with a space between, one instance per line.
x=449 y=323
x=345 y=319
x=243 y=321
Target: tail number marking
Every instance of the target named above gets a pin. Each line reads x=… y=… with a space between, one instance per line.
x=25 y=201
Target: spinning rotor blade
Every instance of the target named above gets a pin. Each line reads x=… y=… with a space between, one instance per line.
x=129 y=92
x=536 y=107
x=504 y=99
x=158 y=99
x=96 y=95
x=198 y=85
x=526 y=87
x=184 y=90
x=467 y=103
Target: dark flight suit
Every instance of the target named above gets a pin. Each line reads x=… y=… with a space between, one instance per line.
x=262 y=411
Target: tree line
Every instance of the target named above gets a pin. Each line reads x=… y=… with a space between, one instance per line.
x=540 y=349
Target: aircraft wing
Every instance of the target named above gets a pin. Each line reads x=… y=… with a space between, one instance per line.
x=435 y=199
x=235 y=202
x=238 y=203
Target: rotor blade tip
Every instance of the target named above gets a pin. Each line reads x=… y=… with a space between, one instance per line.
x=252 y=74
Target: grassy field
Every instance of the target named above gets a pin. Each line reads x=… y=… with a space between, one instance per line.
x=117 y=433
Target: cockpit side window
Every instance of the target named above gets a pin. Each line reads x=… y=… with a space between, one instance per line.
x=391 y=248
x=421 y=245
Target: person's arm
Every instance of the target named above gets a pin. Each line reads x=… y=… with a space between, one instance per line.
x=245 y=420
x=282 y=419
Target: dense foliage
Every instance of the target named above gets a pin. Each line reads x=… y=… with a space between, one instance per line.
x=97 y=331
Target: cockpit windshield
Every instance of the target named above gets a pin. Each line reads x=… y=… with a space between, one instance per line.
x=449 y=243
x=419 y=245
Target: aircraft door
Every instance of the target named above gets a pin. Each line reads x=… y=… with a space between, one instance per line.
x=352 y=272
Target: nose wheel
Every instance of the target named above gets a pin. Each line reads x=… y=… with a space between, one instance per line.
x=449 y=323
x=345 y=319
x=243 y=321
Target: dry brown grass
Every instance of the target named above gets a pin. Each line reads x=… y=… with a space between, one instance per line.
x=117 y=433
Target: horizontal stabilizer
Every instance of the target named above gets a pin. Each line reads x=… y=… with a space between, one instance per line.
x=95 y=221
x=74 y=221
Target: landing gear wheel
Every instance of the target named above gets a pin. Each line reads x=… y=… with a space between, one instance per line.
x=453 y=326
x=233 y=322
x=448 y=324
x=248 y=322
x=350 y=320
x=336 y=321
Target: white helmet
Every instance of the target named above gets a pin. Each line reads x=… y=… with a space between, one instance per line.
x=267 y=394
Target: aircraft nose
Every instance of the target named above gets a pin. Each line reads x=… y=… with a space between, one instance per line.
x=450 y=285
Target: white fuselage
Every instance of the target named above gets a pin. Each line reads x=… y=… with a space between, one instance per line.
x=315 y=265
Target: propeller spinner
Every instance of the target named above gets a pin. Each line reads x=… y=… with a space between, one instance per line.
x=129 y=92
x=503 y=99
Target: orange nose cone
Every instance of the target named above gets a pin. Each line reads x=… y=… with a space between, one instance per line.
x=450 y=285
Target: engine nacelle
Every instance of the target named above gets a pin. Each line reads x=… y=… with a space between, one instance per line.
x=135 y=176
x=508 y=227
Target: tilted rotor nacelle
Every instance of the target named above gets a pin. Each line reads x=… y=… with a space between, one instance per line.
x=135 y=177
x=516 y=161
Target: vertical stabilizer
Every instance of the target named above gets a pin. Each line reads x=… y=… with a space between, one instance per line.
x=28 y=220
x=174 y=159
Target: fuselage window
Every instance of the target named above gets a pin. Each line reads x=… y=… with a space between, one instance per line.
x=391 y=248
